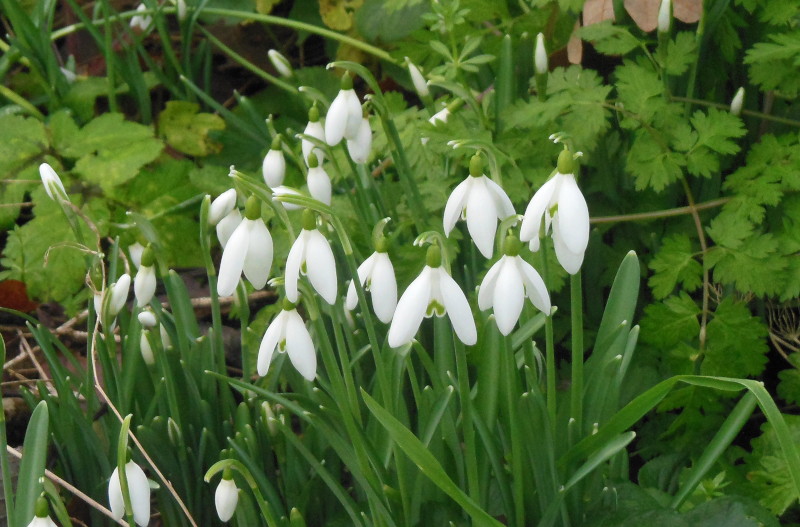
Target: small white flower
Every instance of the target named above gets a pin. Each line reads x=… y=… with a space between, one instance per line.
x=433 y=292
x=135 y=250
x=440 y=117
x=311 y=255
x=559 y=203
x=108 y=308
x=40 y=515
x=225 y=498
x=141 y=22
x=737 y=101
x=248 y=250
x=376 y=275
x=664 y=16
x=222 y=206
x=144 y=285
x=139 y=491
x=283 y=190
x=481 y=202
x=181 y=9
x=318 y=180
x=313 y=129
x=288 y=333
x=166 y=342
x=505 y=287
x=147 y=319
x=52 y=183
x=274 y=166
x=540 y=57
x=227 y=226
x=45 y=521
x=360 y=146
x=344 y=115
x=145 y=349
x=419 y=82
x=280 y=63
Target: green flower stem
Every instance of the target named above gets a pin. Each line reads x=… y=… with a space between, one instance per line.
x=760 y=115
x=576 y=314
x=550 y=354
x=517 y=450
x=344 y=359
x=473 y=481
x=243 y=304
x=20 y=101
x=211 y=272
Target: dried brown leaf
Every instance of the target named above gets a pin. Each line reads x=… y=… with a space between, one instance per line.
x=575 y=46
x=595 y=11
x=644 y=13
x=688 y=11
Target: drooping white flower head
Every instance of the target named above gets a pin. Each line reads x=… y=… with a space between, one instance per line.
x=52 y=183
x=737 y=101
x=41 y=516
x=135 y=251
x=110 y=301
x=288 y=333
x=481 y=202
x=344 y=115
x=147 y=319
x=248 y=250
x=139 y=491
x=361 y=146
x=433 y=292
x=226 y=497
x=540 y=56
x=280 y=63
x=313 y=129
x=312 y=256
x=274 y=166
x=283 y=190
x=419 y=82
x=222 y=206
x=146 y=349
x=664 y=16
x=506 y=285
x=141 y=22
x=376 y=275
x=42 y=522
x=559 y=204
x=318 y=180
x=227 y=226
x=144 y=285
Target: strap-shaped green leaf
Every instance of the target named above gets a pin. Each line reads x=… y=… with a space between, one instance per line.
x=31 y=467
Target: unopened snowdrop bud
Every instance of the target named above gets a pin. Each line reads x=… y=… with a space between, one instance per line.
x=180 y=6
x=139 y=490
x=319 y=183
x=420 y=84
x=41 y=516
x=274 y=166
x=540 y=56
x=376 y=275
x=344 y=115
x=268 y=415
x=433 y=292
x=248 y=251
x=52 y=183
x=312 y=256
x=222 y=206
x=147 y=319
x=226 y=496
x=144 y=285
x=109 y=302
x=166 y=342
x=664 y=16
x=141 y=22
x=287 y=333
x=281 y=63
x=227 y=226
x=360 y=147
x=737 y=101
x=481 y=202
x=146 y=349
x=313 y=129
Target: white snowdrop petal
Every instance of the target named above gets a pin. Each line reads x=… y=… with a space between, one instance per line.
x=481 y=218
x=222 y=206
x=225 y=499
x=144 y=285
x=336 y=120
x=535 y=287
x=501 y=200
x=508 y=297
x=353 y=115
x=284 y=191
x=360 y=146
x=411 y=309
x=532 y=220
x=573 y=215
x=136 y=250
x=457 y=307
x=115 y=500
x=52 y=183
x=300 y=347
x=227 y=226
x=321 y=266
x=486 y=290
x=119 y=293
x=319 y=185
x=295 y=259
x=258 y=261
x=455 y=205
x=570 y=261
x=273 y=169
x=313 y=129
x=276 y=332
x=232 y=262
x=384 y=288
x=147 y=319
x=363 y=272
x=140 y=493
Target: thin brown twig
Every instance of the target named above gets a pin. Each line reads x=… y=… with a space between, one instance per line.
x=657 y=214
x=703 y=250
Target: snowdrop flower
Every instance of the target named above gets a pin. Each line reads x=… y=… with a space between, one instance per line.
x=559 y=204
x=313 y=129
x=506 y=285
x=141 y=22
x=664 y=16
x=433 y=292
x=139 y=491
x=319 y=182
x=376 y=275
x=222 y=206
x=283 y=190
x=52 y=183
x=109 y=304
x=419 y=82
x=737 y=101
x=41 y=517
x=226 y=496
x=344 y=115
x=227 y=226
x=274 y=166
x=442 y=116
x=166 y=342
x=147 y=319
x=181 y=9
x=144 y=285
x=248 y=250
x=135 y=250
x=481 y=202
x=311 y=255
x=280 y=63
x=146 y=349
x=540 y=56
x=288 y=334
x=360 y=146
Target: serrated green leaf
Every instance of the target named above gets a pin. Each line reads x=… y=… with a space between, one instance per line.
x=23 y=143
x=652 y=164
x=673 y=264
x=610 y=39
x=666 y=324
x=714 y=133
x=754 y=267
x=789 y=385
x=186 y=129
x=736 y=342
x=773 y=65
x=681 y=53
x=768 y=472
x=640 y=91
